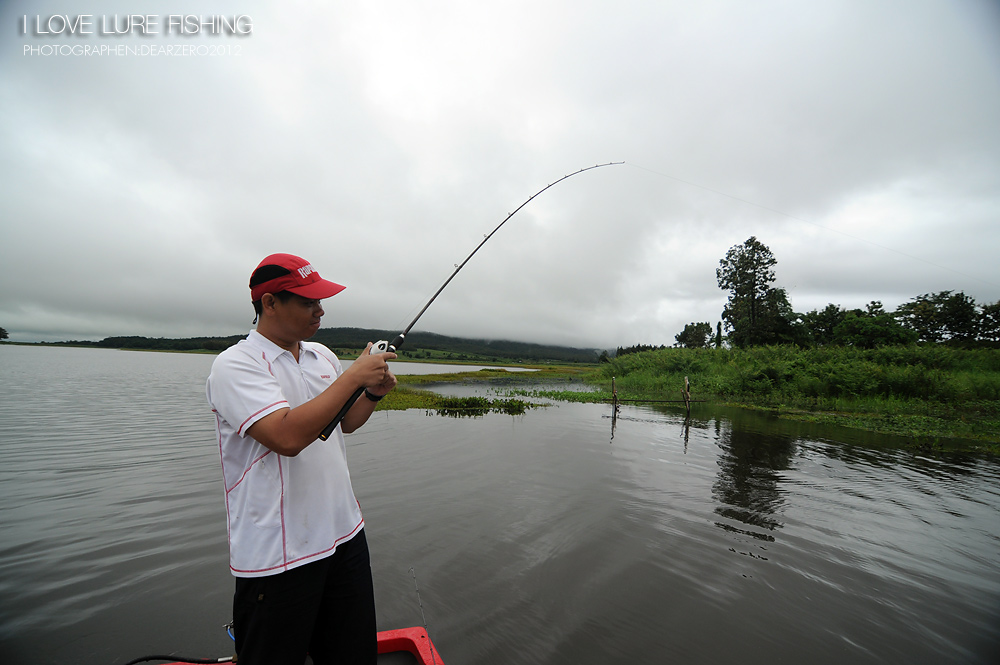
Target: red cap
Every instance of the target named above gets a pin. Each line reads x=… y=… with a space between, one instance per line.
x=301 y=279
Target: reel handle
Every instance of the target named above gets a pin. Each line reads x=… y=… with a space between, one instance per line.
x=378 y=347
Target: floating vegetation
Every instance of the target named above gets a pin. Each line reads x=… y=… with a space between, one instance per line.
x=405 y=397
x=466 y=407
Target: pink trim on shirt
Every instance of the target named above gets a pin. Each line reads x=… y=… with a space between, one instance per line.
x=281 y=508
x=218 y=429
x=316 y=555
x=251 y=416
x=247 y=470
x=323 y=356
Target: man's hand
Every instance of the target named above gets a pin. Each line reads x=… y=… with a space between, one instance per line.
x=387 y=384
x=289 y=431
x=378 y=380
x=372 y=371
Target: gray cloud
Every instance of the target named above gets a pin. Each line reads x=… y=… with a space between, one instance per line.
x=381 y=141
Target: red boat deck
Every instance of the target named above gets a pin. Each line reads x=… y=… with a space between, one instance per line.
x=404 y=646
x=407 y=645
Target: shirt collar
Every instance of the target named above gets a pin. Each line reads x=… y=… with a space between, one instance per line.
x=271 y=350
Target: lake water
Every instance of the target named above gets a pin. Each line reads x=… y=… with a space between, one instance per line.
x=400 y=367
x=542 y=538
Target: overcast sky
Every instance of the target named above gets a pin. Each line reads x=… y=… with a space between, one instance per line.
x=858 y=139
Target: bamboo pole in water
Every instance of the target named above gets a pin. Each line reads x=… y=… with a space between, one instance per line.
x=686 y=394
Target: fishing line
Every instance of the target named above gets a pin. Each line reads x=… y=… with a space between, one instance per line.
x=806 y=221
x=193 y=661
x=383 y=346
x=181 y=659
x=421 y=604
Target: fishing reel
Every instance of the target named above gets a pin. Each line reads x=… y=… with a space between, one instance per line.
x=383 y=346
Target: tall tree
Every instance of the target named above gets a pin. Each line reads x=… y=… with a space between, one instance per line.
x=694 y=335
x=989 y=322
x=871 y=329
x=941 y=316
x=960 y=316
x=868 y=328
x=756 y=313
x=821 y=323
x=921 y=315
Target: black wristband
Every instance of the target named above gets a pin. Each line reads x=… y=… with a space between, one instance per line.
x=373 y=397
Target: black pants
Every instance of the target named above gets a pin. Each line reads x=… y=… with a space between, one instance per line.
x=325 y=608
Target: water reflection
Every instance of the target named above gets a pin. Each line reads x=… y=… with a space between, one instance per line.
x=747 y=487
x=527 y=530
x=751 y=465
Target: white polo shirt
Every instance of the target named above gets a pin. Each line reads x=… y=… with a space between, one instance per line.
x=283 y=511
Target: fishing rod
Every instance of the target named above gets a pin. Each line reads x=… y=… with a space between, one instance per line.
x=382 y=346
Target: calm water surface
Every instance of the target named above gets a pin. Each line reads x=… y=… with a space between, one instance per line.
x=544 y=538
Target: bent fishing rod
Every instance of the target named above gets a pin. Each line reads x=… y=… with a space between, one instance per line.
x=383 y=346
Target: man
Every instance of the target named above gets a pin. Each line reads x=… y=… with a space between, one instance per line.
x=296 y=535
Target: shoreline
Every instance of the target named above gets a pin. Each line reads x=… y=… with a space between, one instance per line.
x=971 y=426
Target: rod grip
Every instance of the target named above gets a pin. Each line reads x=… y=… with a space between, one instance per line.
x=328 y=430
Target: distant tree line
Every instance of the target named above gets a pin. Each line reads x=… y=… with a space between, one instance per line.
x=350 y=340
x=161 y=343
x=759 y=313
x=638 y=348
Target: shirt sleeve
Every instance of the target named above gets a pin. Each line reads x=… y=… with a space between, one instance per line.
x=242 y=390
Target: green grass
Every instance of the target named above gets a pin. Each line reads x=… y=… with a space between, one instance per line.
x=938 y=398
x=404 y=397
x=542 y=374
x=408 y=394
x=927 y=393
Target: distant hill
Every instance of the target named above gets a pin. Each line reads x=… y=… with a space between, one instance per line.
x=419 y=345
x=428 y=343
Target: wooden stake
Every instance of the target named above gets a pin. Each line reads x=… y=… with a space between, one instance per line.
x=686 y=393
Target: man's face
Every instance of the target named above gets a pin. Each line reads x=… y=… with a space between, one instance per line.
x=298 y=317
